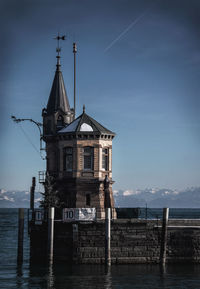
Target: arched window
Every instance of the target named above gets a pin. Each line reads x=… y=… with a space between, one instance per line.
x=60 y=121
x=105 y=158
x=68 y=159
x=88 y=158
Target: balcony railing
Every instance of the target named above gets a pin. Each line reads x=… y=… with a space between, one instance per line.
x=42 y=177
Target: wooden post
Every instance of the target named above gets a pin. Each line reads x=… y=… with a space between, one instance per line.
x=163 y=245
x=50 y=234
x=146 y=212
x=32 y=192
x=107 y=238
x=20 y=236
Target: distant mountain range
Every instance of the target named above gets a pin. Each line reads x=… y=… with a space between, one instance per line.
x=17 y=199
x=153 y=198
x=158 y=198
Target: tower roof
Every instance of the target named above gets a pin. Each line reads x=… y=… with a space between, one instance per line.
x=85 y=123
x=58 y=97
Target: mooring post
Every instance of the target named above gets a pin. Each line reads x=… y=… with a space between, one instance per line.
x=50 y=234
x=107 y=238
x=107 y=206
x=146 y=212
x=75 y=241
x=163 y=245
x=20 y=236
x=32 y=192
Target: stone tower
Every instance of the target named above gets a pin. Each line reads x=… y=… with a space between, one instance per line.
x=79 y=151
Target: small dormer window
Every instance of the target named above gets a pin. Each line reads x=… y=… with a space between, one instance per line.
x=86 y=127
x=88 y=158
x=60 y=121
x=105 y=155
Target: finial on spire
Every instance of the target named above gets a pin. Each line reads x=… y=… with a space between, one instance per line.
x=58 y=49
x=74 y=48
x=84 y=108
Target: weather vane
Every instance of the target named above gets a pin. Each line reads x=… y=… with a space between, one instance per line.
x=58 y=38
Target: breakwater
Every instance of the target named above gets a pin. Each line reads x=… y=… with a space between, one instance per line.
x=132 y=241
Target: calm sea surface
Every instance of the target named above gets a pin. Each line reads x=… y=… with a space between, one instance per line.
x=85 y=276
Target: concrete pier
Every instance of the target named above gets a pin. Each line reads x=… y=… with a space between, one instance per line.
x=132 y=241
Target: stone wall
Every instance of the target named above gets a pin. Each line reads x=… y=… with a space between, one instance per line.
x=132 y=241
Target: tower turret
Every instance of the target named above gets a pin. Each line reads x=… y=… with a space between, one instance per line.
x=58 y=113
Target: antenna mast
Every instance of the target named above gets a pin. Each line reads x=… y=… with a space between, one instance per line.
x=74 y=51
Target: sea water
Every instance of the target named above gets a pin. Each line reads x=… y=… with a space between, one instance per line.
x=63 y=276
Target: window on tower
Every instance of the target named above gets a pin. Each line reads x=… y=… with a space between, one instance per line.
x=88 y=158
x=88 y=200
x=68 y=159
x=47 y=127
x=105 y=159
x=60 y=121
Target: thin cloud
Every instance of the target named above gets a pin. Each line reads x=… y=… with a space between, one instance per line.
x=125 y=31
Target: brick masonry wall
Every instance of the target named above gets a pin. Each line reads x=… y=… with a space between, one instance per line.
x=132 y=241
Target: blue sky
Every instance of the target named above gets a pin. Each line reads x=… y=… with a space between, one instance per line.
x=138 y=71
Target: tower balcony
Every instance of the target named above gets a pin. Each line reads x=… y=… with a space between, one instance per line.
x=42 y=176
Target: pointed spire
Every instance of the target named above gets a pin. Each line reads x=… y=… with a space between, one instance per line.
x=58 y=97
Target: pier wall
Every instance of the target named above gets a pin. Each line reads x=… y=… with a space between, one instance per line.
x=132 y=241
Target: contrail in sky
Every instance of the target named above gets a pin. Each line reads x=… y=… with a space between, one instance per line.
x=125 y=31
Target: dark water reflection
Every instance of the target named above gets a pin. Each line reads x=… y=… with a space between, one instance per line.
x=119 y=276
x=57 y=276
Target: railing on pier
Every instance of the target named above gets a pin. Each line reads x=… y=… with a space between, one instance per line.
x=174 y=213
x=39 y=216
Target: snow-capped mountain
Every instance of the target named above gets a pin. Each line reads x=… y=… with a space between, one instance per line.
x=17 y=199
x=158 y=198
x=153 y=198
